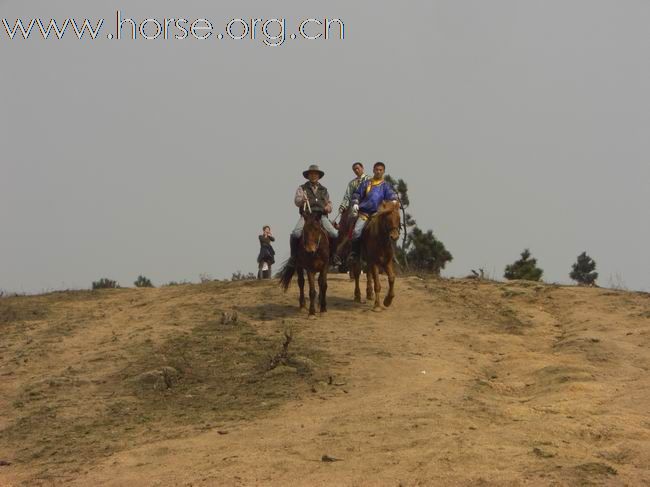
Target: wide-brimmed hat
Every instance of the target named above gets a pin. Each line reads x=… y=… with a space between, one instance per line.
x=314 y=168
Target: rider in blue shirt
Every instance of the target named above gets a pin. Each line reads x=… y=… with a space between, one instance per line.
x=366 y=201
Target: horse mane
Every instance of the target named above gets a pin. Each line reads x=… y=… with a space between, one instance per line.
x=315 y=221
x=373 y=228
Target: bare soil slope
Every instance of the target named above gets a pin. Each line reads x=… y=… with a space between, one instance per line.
x=459 y=383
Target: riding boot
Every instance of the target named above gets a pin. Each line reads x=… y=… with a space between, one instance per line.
x=355 y=253
x=293 y=245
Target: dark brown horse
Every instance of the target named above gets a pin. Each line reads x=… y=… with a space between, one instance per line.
x=313 y=257
x=378 y=252
x=345 y=228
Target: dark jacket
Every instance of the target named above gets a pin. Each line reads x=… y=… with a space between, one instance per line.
x=267 y=254
x=319 y=201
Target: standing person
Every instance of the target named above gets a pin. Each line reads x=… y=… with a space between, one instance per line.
x=266 y=257
x=312 y=197
x=366 y=201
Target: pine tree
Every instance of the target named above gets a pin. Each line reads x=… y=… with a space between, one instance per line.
x=401 y=188
x=525 y=268
x=419 y=250
x=426 y=252
x=583 y=270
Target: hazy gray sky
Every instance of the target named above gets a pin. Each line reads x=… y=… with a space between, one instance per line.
x=516 y=124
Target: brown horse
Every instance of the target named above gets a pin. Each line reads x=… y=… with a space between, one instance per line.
x=313 y=257
x=378 y=252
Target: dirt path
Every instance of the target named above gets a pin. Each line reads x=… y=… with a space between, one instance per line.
x=459 y=383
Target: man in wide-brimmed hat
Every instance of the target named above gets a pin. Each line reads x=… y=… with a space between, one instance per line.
x=312 y=196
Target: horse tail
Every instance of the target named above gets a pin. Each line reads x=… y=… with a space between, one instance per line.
x=286 y=274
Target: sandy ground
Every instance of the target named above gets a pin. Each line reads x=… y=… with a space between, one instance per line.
x=460 y=382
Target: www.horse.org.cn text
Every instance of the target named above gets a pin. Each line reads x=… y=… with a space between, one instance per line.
x=269 y=32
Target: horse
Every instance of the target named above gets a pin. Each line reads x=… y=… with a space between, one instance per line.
x=378 y=252
x=345 y=228
x=313 y=257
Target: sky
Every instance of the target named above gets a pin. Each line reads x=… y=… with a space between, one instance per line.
x=516 y=124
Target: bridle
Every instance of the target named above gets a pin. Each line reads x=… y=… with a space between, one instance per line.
x=320 y=235
x=391 y=229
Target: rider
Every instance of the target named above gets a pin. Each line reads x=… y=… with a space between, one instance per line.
x=366 y=201
x=312 y=197
x=361 y=176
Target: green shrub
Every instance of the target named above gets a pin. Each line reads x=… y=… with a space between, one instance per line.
x=176 y=283
x=105 y=283
x=142 y=281
x=240 y=276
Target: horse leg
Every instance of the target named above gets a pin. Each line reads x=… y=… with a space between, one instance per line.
x=312 y=293
x=391 y=284
x=369 y=292
x=375 y=277
x=322 y=290
x=301 y=285
x=355 y=269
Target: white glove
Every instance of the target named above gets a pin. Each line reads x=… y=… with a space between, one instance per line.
x=355 y=208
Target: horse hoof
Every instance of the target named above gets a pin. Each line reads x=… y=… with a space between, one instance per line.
x=311 y=317
x=357 y=299
x=377 y=309
x=323 y=311
x=388 y=301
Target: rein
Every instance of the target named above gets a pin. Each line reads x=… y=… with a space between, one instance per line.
x=380 y=214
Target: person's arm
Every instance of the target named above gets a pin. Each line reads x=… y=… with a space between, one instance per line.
x=345 y=204
x=271 y=238
x=356 y=196
x=328 y=204
x=300 y=196
x=389 y=192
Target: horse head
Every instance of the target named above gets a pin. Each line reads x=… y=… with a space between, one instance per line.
x=312 y=233
x=390 y=219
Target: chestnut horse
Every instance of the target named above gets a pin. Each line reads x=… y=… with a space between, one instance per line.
x=378 y=252
x=313 y=257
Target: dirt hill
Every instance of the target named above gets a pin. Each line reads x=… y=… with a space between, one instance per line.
x=461 y=382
